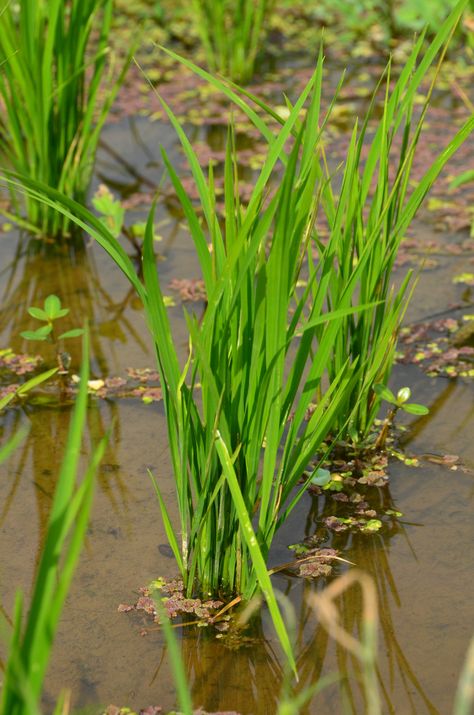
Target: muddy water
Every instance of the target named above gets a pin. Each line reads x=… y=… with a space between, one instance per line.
x=423 y=565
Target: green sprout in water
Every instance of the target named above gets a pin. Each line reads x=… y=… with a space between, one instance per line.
x=51 y=312
x=400 y=402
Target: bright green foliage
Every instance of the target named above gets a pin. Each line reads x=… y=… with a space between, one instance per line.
x=51 y=312
x=25 y=388
x=53 y=108
x=231 y=32
x=400 y=402
x=367 y=208
x=253 y=361
x=253 y=354
x=29 y=644
x=374 y=207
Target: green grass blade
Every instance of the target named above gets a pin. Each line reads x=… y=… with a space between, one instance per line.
x=254 y=549
x=167 y=524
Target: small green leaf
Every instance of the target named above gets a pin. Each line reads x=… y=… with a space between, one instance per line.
x=385 y=393
x=75 y=333
x=372 y=525
x=321 y=477
x=31 y=335
x=38 y=313
x=39 y=334
x=52 y=306
x=414 y=409
x=138 y=229
x=393 y=512
x=335 y=486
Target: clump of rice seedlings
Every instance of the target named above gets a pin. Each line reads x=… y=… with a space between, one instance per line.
x=231 y=32
x=29 y=640
x=246 y=410
x=53 y=70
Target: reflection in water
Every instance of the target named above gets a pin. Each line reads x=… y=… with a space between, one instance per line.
x=245 y=678
x=109 y=662
x=371 y=554
x=70 y=272
x=249 y=679
x=39 y=457
x=374 y=557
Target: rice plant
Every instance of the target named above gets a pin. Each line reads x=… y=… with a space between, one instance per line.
x=367 y=207
x=231 y=32
x=247 y=411
x=29 y=643
x=375 y=205
x=53 y=103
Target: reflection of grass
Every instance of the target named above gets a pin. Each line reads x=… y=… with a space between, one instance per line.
x=363 y=652
x=72 y=273
x=30 y=645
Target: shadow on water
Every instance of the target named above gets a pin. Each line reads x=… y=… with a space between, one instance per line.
x=249 y=679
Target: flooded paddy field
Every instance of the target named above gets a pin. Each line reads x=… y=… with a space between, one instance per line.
x=421 y=559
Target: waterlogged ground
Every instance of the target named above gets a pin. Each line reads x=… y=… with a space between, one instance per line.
x=422 y=561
